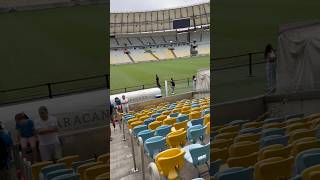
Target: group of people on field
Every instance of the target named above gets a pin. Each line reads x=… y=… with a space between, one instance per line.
x=173 y=84
x=34 y=138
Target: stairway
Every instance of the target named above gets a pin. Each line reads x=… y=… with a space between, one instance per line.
x=173 y=53
x=130 y=57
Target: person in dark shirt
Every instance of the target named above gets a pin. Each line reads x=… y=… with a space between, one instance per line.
x=157 y=81
x=173 y=84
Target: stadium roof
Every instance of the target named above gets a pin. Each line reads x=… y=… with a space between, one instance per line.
x=118 y=6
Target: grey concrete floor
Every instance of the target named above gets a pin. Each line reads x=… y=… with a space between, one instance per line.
x=121 y=161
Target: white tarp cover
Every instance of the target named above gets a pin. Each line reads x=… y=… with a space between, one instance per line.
x=203 y=80
x=298 y=63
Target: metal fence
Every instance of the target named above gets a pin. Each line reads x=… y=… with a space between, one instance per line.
x=52 y=89
x=242 y=60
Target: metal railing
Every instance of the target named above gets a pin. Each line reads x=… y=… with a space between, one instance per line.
x=180 y=85
x=242 y=60
x=52 y=89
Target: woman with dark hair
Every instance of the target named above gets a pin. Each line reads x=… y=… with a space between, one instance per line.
x=270 y=57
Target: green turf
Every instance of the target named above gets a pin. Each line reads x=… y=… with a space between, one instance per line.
x=52 y=45
x=245 y=26
x=129 y=75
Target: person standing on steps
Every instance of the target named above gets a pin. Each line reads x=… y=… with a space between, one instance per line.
x=173 y=85
x=270 y=58
x=194 y=83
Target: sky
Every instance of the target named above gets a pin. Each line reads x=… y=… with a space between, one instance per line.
x=149 y=5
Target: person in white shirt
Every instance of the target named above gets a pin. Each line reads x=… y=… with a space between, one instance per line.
x=270 y=57
x=47 y=131
x=125 y=105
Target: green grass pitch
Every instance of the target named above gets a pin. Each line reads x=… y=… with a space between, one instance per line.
x=248 y=25
x=144 y=73
x=52 y=45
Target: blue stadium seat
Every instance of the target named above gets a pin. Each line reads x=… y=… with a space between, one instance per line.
x=197 y=155
x=273 y=131
x=146 y=134
x=250 y=130
x=67 y=177
x=163 y=130
x=235 y=173
x=154 y=145
x=274 y=120
x=137 y=129
x=215 y=166
x=196 y=133
x=59 y=172
x=307 y=159
x=50 y=168
x=183 y=118
x=148 y=121
x=195 y=122
x=274 y=139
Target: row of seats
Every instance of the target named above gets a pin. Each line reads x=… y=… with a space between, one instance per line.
x=201 y=36
x=172 y=134
x=158 y=53
x=71 y=168
x=271 y=148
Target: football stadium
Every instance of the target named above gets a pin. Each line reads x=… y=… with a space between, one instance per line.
x=160 y=59
x=54 y=80
x=265 y=122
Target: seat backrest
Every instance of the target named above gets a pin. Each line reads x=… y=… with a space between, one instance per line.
x=300 y=160
x=155 y=145
x=311 y=173
x=197 y=121
x=250 y=130
x=200 y=155
x=68 y=160
x=180 y=125
x=104 y=158
x=170 y=162
x=183 y=118
x=243 y=148
x=57 y=173
x=163 y=130
x=146 y=134
x=235 y=174
x=274 y=168
x=139 y=128
x=247 y=137
x=154 y=125
x=53 y=167
x=230 y=129
x=177 y=138
x=169 y=121
x=92 y=172
x=36 y=168
x=76 y=164
x=273 y=131
x=67 y=177
x=243 y=161
x=274 y=139
x=81 y=169
x=148 y=121
x=196 y=134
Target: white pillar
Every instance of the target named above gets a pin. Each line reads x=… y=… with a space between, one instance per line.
x=166 y=87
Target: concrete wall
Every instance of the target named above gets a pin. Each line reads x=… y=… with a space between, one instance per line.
x=83 y=120
x=303 y=102
x=243 y=109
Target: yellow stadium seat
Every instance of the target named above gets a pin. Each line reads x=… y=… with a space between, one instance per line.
x=252 y=125
x=243 y=161
x=134 y=124
x=274 y=168
x=154 y=125
x=169 y=162
x=169 y=121
x=311 y=173
x=206 y=119
x=274 y=125
x=226 y=135
x=81 y=169
x=217 y=153
x=68 y=160
x=177 y=138
x=93 y=172
x=165 y=113
x=195 y=109
x=180 y=125
x=142 y=118
x=208 y=128
x=104 y=158
x=36 y=168
x=276 y=150
x=229 y=129
x=304 y=144
x=292 y=127
x=221 y=143
x=243 y=148
x=247 y=137
x=301 y=133
x=161 y=118
x=104 y=176
x=176 y=110
x=195 y=115
x=184 y=112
